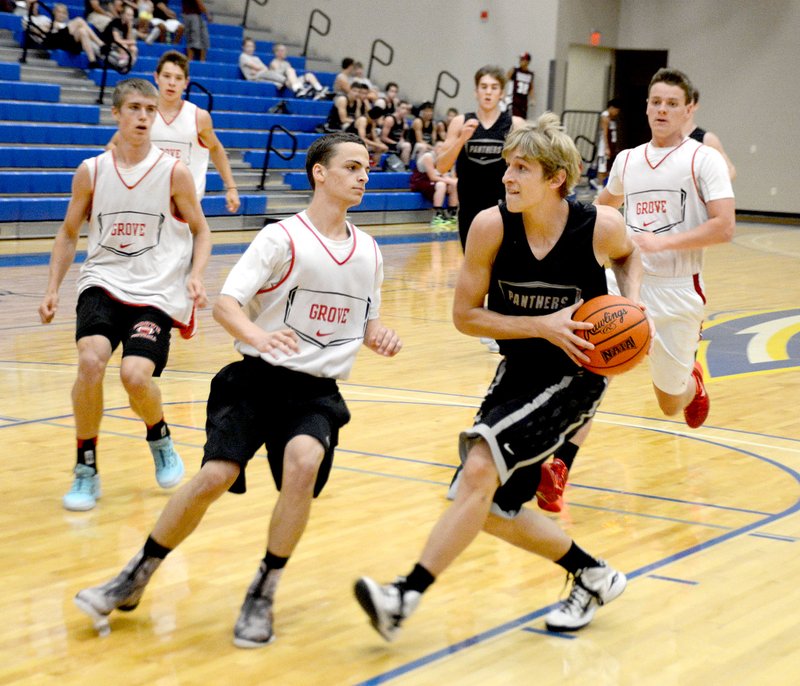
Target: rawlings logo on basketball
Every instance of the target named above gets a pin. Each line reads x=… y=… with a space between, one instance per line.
x=609 y=322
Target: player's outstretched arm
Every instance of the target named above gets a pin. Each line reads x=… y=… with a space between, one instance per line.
x=220 y=159
x=66 y=241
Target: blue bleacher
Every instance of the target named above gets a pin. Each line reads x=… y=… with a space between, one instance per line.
x=48 y=112
x=298 y=181
x=52 y=182
x=9 y=71
x=20 y=90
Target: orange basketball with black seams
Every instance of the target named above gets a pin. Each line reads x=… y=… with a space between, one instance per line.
x=621 y=334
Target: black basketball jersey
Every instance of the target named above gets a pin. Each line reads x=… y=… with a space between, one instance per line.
x=522 y=285
x=698 y=134
x=480 y=165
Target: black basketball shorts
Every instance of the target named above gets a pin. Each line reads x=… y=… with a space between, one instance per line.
x=143 y=331
x=524 y=422
x=253 y=403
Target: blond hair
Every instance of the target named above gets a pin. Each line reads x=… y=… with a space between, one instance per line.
x=545 y=141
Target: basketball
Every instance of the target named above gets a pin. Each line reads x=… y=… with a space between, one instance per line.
x=621 y=334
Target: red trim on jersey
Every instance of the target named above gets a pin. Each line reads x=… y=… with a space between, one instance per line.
x=94 y=185
x=625 y=166
x=291 y=264
x=646 y=159
x=174 y=213
x=197 y=128
x=177 y=114
x=350 y=228
x=130 y=188
x=694 y=179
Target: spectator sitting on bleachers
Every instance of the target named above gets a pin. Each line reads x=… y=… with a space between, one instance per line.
x=423 y=130
x=145 y=28
x=367 y=126
x=197 y=40
x=358 y=74
x=341 y=84
x=254 y=69
x=389 y=99
x=443 y=124
x=347 y=108
x=434 y=186
x=164 y=15
x=393 y=132
x=71 y=35
x=98 y=13
x=121 y=30
x=303 y=86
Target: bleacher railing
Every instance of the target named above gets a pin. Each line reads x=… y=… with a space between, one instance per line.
x=269 y=148
x=373 y=56
x=440 y=89
x=199 y=86
x=123 y=69
x=582 y=126
x=260 y=3
x=315 y=29
x=35 y=36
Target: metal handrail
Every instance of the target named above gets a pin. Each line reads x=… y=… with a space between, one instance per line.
x=439 y=88
x=201 y=87
x=279 y=153
x=375 y=58
x=262 y=3
x=32 y=29
x=313 y=28
x=104 y=53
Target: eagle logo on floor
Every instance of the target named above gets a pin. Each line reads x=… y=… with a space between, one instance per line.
x=736 y=343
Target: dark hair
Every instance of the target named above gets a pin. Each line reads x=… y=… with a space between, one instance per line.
x=177 y=58
x=390 y=84
x=322 y=149
x=358 y=83
x=427 y=105
x=695 y=96
x=347 y=62
x=673 y=77
x=491 y=70
x=615 y=102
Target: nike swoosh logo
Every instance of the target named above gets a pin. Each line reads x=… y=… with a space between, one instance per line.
x=507 y=446
x=320 y=334
x=122 y=246
x=646 y=224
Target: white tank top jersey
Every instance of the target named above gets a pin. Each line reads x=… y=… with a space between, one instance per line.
x=179 y=138
x=291 y=276
x=666 y=191
x=138 y=250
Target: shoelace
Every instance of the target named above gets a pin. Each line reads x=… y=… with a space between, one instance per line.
x=579 y=598
x=84 y=483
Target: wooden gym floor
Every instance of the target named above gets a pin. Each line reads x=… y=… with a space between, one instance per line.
x=705 y=522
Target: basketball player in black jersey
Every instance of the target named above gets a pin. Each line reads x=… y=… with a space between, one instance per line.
x=706 y=137
x=537 y=257
x=474 y=144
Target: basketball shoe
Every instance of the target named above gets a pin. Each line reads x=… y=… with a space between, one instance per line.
x=85 y=489
x=169 y=466
x=387 y=605
x=591 y=588
x=696 y=412
x=253 y=628
x=550 y=493
x=123 y=592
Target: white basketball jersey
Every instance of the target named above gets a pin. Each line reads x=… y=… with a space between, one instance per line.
x=291 y=276
x=138 y=250
x=179 y=138
x=666 y=191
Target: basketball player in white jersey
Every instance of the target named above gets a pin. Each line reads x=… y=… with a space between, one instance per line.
x=678 y=200
x=186 y=131
x=299 y=303
x=148 y=246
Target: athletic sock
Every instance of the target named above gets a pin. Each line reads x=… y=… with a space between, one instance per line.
x=158 y=430
x=567 y=453
x=87 y=452
x=153 y=548
x=577 y=558
x=418 y=580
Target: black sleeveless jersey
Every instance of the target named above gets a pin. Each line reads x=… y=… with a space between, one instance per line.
x=698 y=134
x=522 y=285
x=480 y=165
